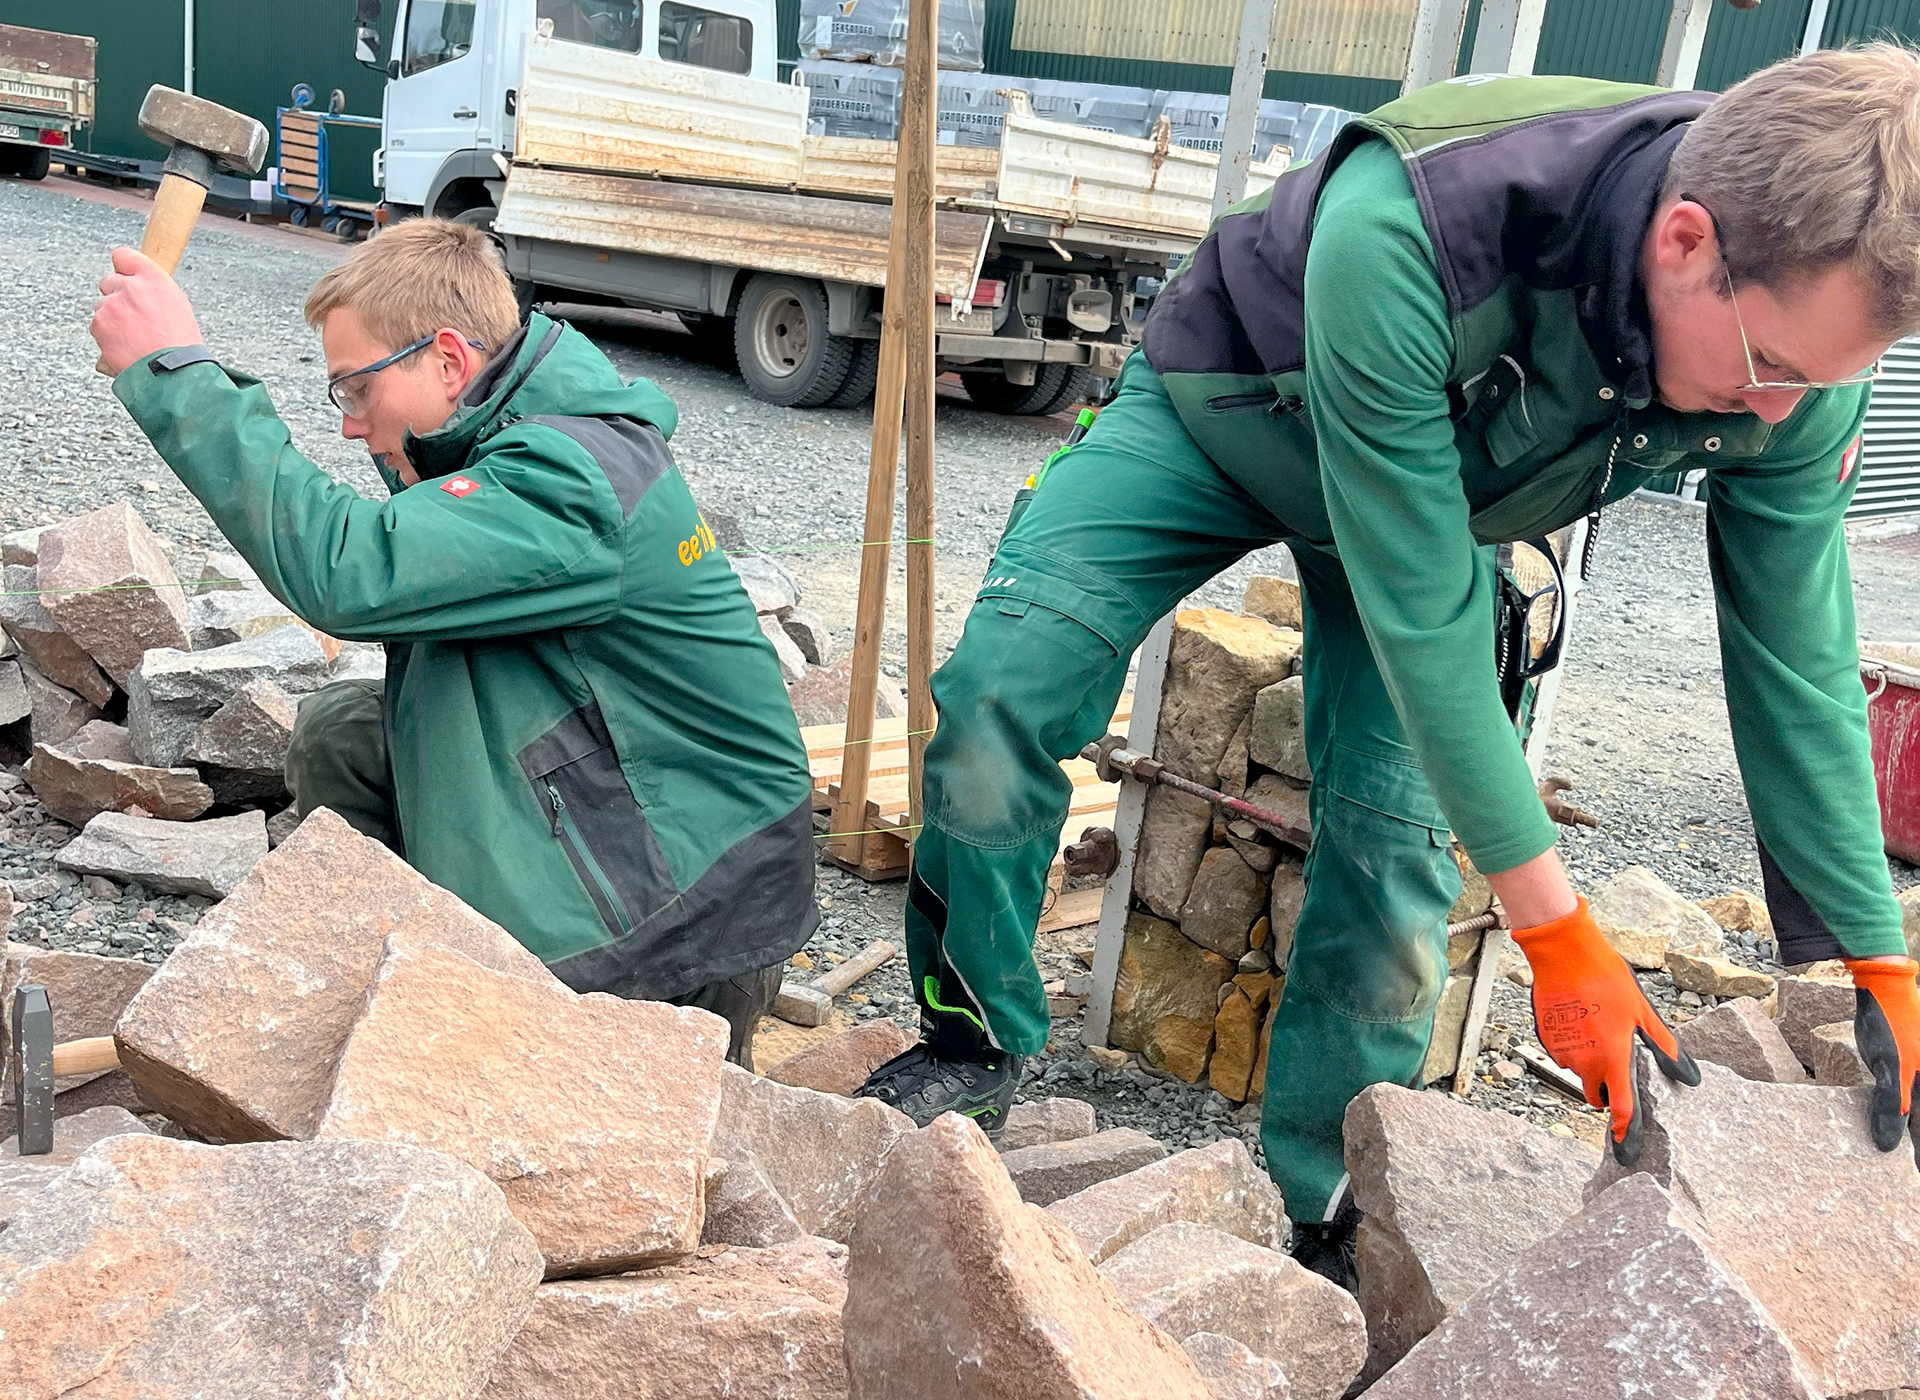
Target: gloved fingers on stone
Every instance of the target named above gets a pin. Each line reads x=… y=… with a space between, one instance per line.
x=1621 y=1097
x=1676 y=1063
x=1892 y=1099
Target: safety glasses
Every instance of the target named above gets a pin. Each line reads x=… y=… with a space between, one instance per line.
x=1755 y=384
x=349 y=392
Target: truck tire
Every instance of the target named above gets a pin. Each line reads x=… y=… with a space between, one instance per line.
x=860 y=379
x=1053 y=388
x=780 y=336
x=34 y=164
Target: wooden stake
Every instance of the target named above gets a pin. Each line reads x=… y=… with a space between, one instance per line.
x=913 y=198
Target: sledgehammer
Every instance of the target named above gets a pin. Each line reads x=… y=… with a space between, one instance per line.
x=201 y=135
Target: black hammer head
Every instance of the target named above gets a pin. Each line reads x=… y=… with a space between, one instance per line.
x=228 y=138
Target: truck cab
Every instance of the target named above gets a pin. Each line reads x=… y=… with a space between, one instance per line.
x=453 y=66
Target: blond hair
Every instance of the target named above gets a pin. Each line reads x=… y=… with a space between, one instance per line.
x=417 y=277
x=1814 y=163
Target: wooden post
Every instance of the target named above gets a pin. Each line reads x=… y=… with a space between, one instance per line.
x=913 y=204
x=870 y=610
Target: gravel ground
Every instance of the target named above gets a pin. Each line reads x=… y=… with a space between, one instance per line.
x=1641 y=730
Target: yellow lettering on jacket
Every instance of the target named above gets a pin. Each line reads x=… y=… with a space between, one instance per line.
x=698 y=544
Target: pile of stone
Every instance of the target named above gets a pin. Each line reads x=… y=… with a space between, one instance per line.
x=387 y=1153
x=1205 y=957
x=155 y=690
x=816 y=682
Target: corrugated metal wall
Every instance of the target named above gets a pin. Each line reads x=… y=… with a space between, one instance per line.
x=140 y=44
x=1871 y=19
x=1740 y=42
x=1890 y=447
x=1617 y=39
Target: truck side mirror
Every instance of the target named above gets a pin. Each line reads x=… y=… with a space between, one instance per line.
x=366 y=46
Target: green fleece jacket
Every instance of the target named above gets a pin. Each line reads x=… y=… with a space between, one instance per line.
x=590 y=739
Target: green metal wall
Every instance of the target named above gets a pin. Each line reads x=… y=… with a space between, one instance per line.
x=1740 y=42
x=1849 y=20
x=142 y=42
x=248 y=55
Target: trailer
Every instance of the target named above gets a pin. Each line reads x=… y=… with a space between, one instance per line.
x=46 y=95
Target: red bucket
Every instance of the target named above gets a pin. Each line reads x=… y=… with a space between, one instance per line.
x=1893 y=721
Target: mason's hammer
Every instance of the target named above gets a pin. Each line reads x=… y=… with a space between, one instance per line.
x=201 y=136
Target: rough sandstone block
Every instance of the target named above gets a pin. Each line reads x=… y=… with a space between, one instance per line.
x=166 y=1270
x=15 y=703
x=1234 y=1373
x=1797 y=1201
x=95 y=771
x=1186 y=1278
x=1236 y=1043
x=104 y=578
x=22 y=546
x=241 y=749
x=772 y=589
x=1165 y=977
x=207 y=858
x=594 y=1114
x=743 y=1209
x=808 y=631
x=237 y=1037
x=23 y=1178
x=1739 y=912
x=1216 y=1185
x=1642 y=917
x=43 y=642
x=957 y=1289
x=1910 y=919
x=746 y=1324
x=820 y=696
x=1809 y=1001
x=1054 y=1170
x=1283 y=912
x=793 y=663
x=1716 y=977
x=1630 y=1300
x=1836 y=1058
x=1175 y=831
x=57 y=713
x=1741 y=1036
x=1044 y=1121
x=1226 y=897
x=1278 y=739
x=1275 y=600
x=819 y=1151
x=1450 y=1197
x=222 y=616
x=840 y=1065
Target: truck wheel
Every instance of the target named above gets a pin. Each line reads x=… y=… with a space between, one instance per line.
x=1053 y=388
x=33 y=165
x=780 y=336
x=860 y=379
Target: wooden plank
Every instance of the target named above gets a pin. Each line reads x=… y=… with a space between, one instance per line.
x=868 y=959
x=770 y=231
x=1565 y=1081
x=1074 y=909
x=913 y=201
x=1493 y=943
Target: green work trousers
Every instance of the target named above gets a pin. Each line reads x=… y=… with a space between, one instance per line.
x=1124 y=527
x=338 y=759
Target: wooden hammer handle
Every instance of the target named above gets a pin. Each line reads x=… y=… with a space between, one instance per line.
x=176 y=206
x=88 y=1056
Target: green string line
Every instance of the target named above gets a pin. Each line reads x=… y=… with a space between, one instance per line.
x=876 y=831
x=130 y=587
x=910 y=734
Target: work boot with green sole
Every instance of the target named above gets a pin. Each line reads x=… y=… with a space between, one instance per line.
x=953 y=1070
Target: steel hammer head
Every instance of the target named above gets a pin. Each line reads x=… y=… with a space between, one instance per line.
x=226 y=137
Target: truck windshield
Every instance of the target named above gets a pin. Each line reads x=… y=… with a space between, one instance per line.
x=438 y=31
x=606 y=24
x=705 y=38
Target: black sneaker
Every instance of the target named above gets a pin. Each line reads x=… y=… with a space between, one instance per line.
x=1327 y=1247
x=954 y=1070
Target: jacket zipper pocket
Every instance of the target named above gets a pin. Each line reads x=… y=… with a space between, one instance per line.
x=1228 y=403
x=568 y=835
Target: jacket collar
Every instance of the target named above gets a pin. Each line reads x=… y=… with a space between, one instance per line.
x=1613 y=300
x=483 y=406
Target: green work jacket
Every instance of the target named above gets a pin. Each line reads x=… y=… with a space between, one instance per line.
x=1433 y=338
x=590 y=738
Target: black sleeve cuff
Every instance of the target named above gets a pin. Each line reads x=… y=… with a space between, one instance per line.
x=1801 y=934
x=168 y=361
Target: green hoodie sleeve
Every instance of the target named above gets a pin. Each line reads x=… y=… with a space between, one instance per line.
x=1777 y=548
x=533 y=543
x=1379 y=347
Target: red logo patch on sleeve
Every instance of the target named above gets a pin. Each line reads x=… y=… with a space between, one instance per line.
x=459 y=486
x=1848 y=458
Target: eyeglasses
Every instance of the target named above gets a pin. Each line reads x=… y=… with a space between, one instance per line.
x=1755 y=384
x=348 y=392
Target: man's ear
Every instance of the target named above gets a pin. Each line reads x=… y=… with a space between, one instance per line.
x=1684 y=236
x=459 y=363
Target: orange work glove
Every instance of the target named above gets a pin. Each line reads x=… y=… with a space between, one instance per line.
x=1588 y=1009
x=1886 y=1030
